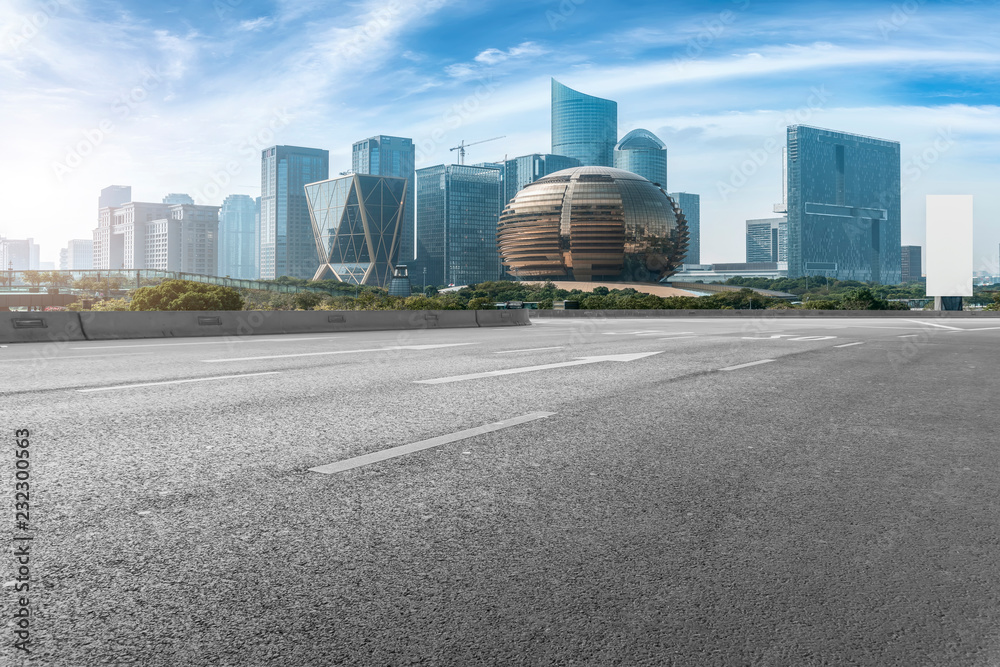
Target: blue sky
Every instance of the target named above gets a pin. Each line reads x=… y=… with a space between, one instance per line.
x=180 y=97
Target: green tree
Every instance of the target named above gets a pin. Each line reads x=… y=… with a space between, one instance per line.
x=33 y=278
x=996 y=302
x=307 y=300
x=186 y=295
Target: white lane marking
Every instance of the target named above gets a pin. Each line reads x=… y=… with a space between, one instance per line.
x=319 y=354
x=230 y=339
x=531 y=349
x=153 y=384
x=528 y=369
x=752 y=363
x=907 y=335
x=982 y=329
x=375 y=457
x=935 y=324
x=667 y=333
x=676 y=338
x=860 y=342
x=70 y=356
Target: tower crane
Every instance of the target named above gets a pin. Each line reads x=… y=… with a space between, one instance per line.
x=462 y=146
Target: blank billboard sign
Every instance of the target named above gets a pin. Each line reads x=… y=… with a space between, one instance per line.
x=949 y=245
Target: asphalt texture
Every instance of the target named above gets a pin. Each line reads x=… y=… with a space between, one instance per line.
x=837 y=505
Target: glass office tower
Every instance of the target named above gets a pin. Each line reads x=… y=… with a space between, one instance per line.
x=843 y=205
x=520 y=171
x=690 y=205
x=912 y=264
x=238 y=237
x=391 y=156
x=583 y=127
x=641 y=152
x=356 y=226
x=287 y=245
x=457 y=211
x=767 y=240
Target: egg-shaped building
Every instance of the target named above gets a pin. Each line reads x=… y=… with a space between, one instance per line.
x=592 y=223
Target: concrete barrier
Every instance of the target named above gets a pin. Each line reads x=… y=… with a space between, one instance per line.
x=40 y=327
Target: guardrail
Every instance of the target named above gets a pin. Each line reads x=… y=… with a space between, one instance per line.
x=89 y=325
x=778 y=312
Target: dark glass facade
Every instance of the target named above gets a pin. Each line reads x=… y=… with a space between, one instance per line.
x=767 y=240
x=592 y=223
x=912 y=264
x=520 y=171
x=583 y=126
x=356 y=226
x=287 y=245
x=690 y=205
x=457 y=211
x=843 y=205
x=391 y=156
x=641 y=152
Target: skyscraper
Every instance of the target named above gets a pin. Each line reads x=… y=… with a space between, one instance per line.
x=357 y=219
x=287 y=244
x=641 y=152
x=238 y=237
x=767 y=240
x=457 y=211
x=178 y=198
x=19 y=254
x=79 y=255
x=391 y=156
x=583 y=127
x=520 y=171
x=114 y=195
x=843 y=205
x=912 y=264
x=690 y=205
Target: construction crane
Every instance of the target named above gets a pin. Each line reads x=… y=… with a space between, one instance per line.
x=462 y=146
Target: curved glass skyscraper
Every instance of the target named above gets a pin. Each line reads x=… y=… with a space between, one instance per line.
x=583 y=127
x=641 y=152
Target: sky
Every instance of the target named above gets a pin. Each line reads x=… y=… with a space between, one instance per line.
x=182 y=96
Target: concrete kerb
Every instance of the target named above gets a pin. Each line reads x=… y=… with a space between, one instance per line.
x=52 y=327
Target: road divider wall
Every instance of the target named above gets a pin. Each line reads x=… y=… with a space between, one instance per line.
x=16 y=327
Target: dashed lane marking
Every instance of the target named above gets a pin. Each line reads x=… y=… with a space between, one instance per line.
x=319 y=354
x=154 y=384
x=935 y=324
x=860 y=342
x=752 y=363
x=385 y=454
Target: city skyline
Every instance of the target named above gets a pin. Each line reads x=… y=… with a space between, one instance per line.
x=182 y=101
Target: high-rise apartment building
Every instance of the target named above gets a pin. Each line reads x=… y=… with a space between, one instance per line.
x=641 y=152
x=520 y=171
x=287 y=244
x=457 y=211
x=238 y=237
x=583 y=126
x=391 y=156
x=843 y=205
x=911 y=262
x=690 y=205
x=178 y=198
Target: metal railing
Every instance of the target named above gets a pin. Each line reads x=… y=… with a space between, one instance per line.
x=18 y=281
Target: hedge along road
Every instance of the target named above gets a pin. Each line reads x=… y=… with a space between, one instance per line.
x=832 y=505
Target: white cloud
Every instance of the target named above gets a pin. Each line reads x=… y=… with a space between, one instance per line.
x=524 y=49
x=253 y=25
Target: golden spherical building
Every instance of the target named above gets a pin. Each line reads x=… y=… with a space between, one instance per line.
x=592 y=223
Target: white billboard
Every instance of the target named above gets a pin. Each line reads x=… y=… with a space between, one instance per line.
x=949 y=245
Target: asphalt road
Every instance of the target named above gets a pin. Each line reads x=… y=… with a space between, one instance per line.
x=831 y=499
